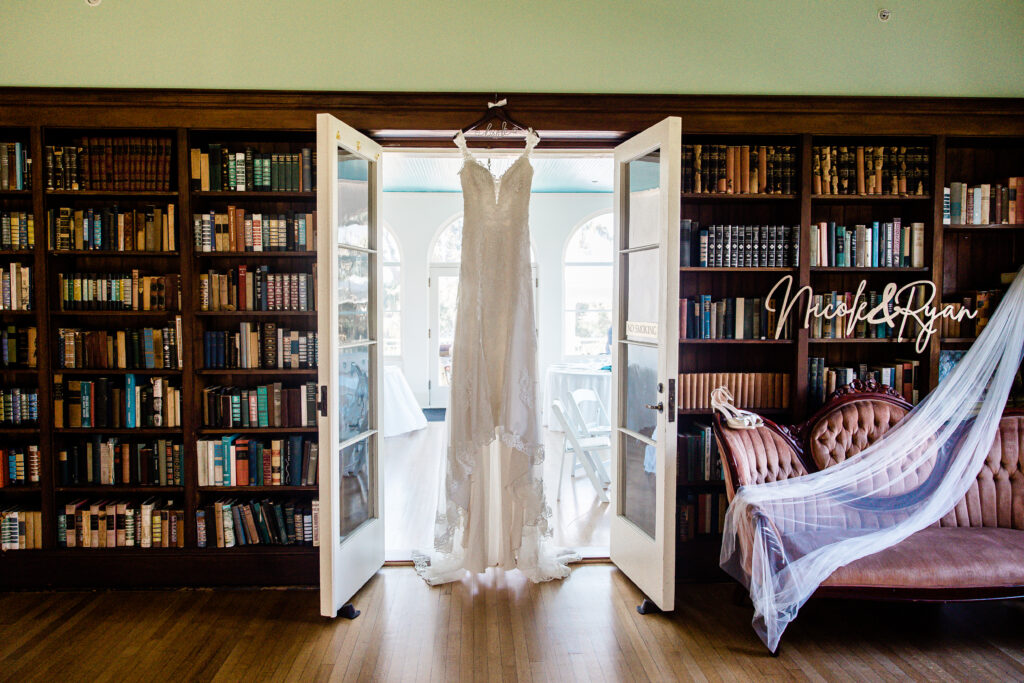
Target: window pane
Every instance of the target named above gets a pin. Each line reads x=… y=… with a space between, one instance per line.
x=389 y=249
x=448 y=247
x=392 y=334
x=592 y=242
x=588 y=309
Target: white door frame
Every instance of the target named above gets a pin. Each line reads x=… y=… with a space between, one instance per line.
x=648 y=562
x=346 y=563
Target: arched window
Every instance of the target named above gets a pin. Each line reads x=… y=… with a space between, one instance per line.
x=391 y=273
x=587 y=272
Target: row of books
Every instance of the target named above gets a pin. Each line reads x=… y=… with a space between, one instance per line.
x=701 y=454
x=240 y=230
x=17 y=287
x=17 y=230
x=230 y=523
x=984 y=204
x=113 y=462
x=883 y=244
x=15 y=166
x=260 y=346
x=110 y=163
x=701 y=515
x=152 y=348
x=19 y=466
x=268 y=405
x=19 y=407
x=751 y=390
x=119 y=291
x=739 y=246
x=18 y=347
x=242 y=461
x=242 y=289
x=700 y=317
x=836 y=316
x=902 y=375
x=20 y=529
x=115 y=403
x=739 y=169
x=149 y=228
x=221 y=169
x=870 y=170
x=121 y=524
x=983 y=302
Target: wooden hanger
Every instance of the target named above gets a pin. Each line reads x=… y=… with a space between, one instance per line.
x=496 y=112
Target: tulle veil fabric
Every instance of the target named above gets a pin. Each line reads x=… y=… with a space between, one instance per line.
x=492 y=509
x=783 y=539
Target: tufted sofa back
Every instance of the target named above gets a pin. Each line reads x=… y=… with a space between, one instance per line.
x=849 y=429
x=996 y=498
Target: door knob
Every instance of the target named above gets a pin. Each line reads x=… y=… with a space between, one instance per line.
x=659 y=406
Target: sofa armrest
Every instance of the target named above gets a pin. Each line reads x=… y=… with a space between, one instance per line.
x=756 y=456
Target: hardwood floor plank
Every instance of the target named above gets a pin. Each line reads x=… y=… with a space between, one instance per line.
x=498 y=626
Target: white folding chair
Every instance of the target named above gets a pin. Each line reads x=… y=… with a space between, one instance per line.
x=590 y=412
x=597 y=427
x=584 y=449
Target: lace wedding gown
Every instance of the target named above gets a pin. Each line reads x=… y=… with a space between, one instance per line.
x=492 y=510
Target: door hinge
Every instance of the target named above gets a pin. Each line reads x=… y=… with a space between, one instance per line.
x=322 y=403
x=428 y=281
x=428 y=333
x=671 y=400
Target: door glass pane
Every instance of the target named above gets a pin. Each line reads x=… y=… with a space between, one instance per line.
x=644 y=199
x=353 y=296
x=358 y=472
x=353 y=200
x=641 y=389
x=639 y=497
x=447 y=296
x=354 y=381
x=642 y=286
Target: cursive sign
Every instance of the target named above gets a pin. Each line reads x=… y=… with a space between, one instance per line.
x=895 y=306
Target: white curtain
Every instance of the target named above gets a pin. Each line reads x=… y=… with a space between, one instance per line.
x=783 y=539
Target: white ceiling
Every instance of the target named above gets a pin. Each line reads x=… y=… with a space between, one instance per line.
x=414 y=172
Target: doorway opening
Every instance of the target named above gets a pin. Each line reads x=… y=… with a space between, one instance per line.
x=572 y=252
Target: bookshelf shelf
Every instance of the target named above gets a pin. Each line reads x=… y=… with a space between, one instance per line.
x=20 y=490
x=115 y=371
x=868 y=198
x=19 y=313
x=735 y=341
x=115 y=314
x=699 y=269
x=258 y=489
x=262 y=549
x=860 y=341
x=296 y=196
x=254 y=254
x=113 y=194
x=217 y=431
x=957 y=341
x=18 y=431
x=15 y=193
x=761 y=411
x=117 y=489
x=844 y=269
x=285 y=372
x=98 y=253
x=966 y=227
x=19 y=371
x=257 y=314
x=726 y=197
x=141 y=431
x=17 y=252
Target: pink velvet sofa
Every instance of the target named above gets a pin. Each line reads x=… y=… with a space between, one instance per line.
x=975 y=552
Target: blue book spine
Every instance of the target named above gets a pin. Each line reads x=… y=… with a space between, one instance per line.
x=874 y=244
x=295 y=464
x=129 y=390
x=18 y=171
x=705 y=312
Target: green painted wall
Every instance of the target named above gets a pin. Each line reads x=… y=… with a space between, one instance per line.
x=929 y=47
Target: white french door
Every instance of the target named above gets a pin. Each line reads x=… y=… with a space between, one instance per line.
x=350 y=361
x=444 y=288
x=645 y=359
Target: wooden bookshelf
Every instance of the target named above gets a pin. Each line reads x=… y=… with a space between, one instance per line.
x=972 y=140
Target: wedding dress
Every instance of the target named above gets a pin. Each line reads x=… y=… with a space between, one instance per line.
x=492 y=510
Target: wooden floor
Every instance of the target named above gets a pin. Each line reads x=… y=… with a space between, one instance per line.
x=495 y=628
x=412 y=475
